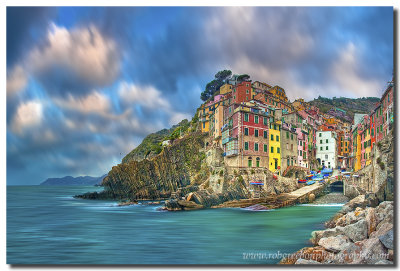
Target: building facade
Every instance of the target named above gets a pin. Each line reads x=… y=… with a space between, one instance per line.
x=326 y=149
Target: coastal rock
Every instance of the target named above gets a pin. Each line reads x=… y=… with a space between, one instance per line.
x=256 y=207
x=333 y=222
x=384 y=210
x=304 y=261
x=387 y=239
x=371 y=199
x=318 y=254
x=372 y=252
x=382 y=229
x=354 y=216
x=371 y=220
x=349 y=254
x=356 y=232
x=317 y=235
x=335 y=243
x=311 y=197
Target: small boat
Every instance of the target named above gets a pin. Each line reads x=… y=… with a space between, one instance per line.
x=257 y=183
x=318 y=179
x=310 y=182
x=302 y=181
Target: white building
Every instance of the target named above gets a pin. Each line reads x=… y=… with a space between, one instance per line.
x=326 y=149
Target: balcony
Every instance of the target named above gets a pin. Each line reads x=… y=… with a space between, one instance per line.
x=233 y=152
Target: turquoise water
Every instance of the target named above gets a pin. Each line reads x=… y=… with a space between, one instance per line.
x=46 y=225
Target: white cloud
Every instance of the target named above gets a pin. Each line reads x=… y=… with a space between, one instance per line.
x=147 y=96
x=346 y=73
x=28 y=115
x=82 y=50
x=95 y=102
x=16 y=80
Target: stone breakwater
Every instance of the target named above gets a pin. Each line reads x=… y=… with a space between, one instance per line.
x=360 y=233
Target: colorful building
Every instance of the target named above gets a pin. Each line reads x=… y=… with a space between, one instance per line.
x=326 y=149
x=387 y=104
x=216 y=123
x=242 y=92
x=226 y=88
x=275 y=146
x=245 y=136
x=289 y=148
x=279 y=93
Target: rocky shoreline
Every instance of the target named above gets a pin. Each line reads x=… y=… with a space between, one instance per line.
x=360 y=233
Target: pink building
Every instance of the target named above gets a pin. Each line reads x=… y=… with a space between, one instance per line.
x=302 y=148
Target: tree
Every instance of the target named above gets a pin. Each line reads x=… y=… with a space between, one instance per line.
x=223 y=75
x=214 y=86
x=243 y=77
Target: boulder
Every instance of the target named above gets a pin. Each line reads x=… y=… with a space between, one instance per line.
x=381 y=229
x=358 y=201
x=371 y=220
x=356 y=231
x=372 y=252
x=371 y=199
x=390 y=252
x=354 y=216
x=341 y=221
x=387 y=239
x=384 y=210
x=349 y=255
x=304 y=261
x=317 y=235
x=311 y=197
x=335 y=243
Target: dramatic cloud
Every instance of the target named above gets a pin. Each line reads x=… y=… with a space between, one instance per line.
x=16 y=80
x=92 y=103
x=74 y=61
x=28 y=115
x=86 y=85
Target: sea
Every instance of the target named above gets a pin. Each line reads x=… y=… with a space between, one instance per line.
x=47 y=225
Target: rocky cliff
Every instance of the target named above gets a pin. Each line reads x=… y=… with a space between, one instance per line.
x=177 y=166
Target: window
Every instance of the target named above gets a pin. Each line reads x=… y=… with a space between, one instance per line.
x=301 y=143
x=272 y=137
x=265 y=121
x=320 y=141
x=320 y=134
x=246 y=146
x=256 y=146
x=272 y=149
x=204 y=125
x=258 y=162
x=265 y=148
x=274 y=126
x=246 y=117
x=255 y=119
x=256 y=132
x=246 y=131
x=265 y=134
x=288 y=162
x=287 y=134
x=247 y=91
x=326 y=147
x=234 y=97
x=301 y=153
x=326 y=157
x=277 y=138
x=291 y=147
x=320 y=148
x=326 y=141
x=250 y=162
x=291 y=136
x=287 y=146
x=278 y=150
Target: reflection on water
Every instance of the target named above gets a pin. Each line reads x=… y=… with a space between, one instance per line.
x=46 y=225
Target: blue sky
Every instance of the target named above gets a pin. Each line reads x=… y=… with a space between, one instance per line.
x=85 y=85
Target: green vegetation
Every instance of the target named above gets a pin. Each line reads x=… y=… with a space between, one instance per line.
x=360 y=105
x=213 y=86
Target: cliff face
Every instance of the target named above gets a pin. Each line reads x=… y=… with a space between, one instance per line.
x=177 y=166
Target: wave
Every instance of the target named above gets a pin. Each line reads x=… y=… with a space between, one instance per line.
x=323 y=204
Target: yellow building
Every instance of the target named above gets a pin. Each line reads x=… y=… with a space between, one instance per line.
x=299 y=104
x=225 y=89
x=275 y=147
x=279 y=93
x=357 y=165
x=204 y=116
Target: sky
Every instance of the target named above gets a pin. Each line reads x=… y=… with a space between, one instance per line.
x=86 y=84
